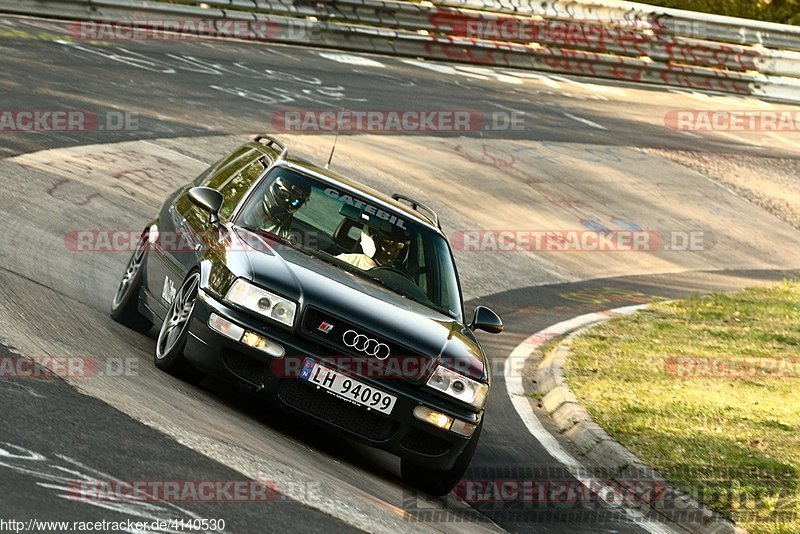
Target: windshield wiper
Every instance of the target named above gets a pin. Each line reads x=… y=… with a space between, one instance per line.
x=384 y=284
x=361 y=273
x=393 y=289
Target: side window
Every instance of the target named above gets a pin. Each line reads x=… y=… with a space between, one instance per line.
x=195 y=217
x=203 y=178
x=237 y=185
x=231 y=167
x=216 y=176
x=214 y=171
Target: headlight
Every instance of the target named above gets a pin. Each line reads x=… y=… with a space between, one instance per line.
x=262 y=302
x=459 y=386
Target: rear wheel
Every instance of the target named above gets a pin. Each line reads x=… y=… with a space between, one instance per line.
x=125 y=306
x=175 y=330
x=440 y=483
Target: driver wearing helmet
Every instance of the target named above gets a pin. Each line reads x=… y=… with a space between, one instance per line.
x=282 y=199
x=379 y=249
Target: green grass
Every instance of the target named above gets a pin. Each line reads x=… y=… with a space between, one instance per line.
x=783 y=11
x=733 y=442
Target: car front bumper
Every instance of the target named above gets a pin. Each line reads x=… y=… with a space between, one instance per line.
x=400 y=433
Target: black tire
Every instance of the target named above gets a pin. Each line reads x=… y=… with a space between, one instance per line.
x=439 y=483
x=175 y=330
x=125 y=306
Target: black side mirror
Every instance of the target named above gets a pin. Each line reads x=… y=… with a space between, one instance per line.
x=487 y=320
x=207 y=199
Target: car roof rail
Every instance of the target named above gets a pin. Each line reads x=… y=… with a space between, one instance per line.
x=416 y=205
x=268 y=140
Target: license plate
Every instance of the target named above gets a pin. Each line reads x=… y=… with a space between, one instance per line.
x=347 y=388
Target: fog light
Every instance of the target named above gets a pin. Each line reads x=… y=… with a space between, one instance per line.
x=435 y=418
x=225 y=327
x=463 y=428
x=263 y=344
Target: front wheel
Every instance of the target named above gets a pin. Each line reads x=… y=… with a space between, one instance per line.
x=125 y=306
x=175 y=330
x=439 y=483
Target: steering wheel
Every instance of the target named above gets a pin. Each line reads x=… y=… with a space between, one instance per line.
x=389 y=269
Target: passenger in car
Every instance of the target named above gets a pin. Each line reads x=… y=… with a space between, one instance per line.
x=378 y=249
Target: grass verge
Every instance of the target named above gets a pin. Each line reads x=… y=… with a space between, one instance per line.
x=706 y=391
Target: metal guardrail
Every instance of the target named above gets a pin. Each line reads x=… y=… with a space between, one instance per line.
x=675 y=21
x=600 y=38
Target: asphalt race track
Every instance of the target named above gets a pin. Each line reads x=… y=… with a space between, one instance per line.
x=589 y=153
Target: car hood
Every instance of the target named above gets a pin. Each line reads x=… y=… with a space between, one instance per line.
x=325 y=290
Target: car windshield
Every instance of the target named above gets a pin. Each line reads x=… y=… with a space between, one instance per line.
x=356 y=235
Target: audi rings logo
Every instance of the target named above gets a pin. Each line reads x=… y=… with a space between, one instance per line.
x=367 y=345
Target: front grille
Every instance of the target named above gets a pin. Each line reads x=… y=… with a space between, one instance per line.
x=336 y=411
x=424 y=443
x=402 y=362
x=244 y=367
